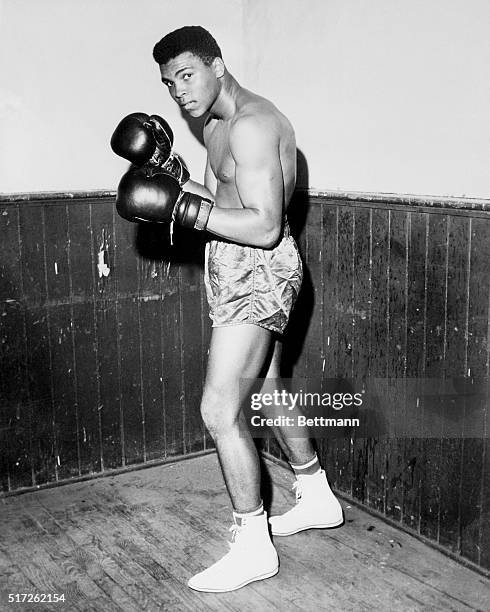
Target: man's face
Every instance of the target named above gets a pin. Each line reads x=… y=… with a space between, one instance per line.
x=192 y=84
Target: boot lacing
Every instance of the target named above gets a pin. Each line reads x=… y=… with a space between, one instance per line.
x=235 y=532
x=235 y=529
x=297 y=489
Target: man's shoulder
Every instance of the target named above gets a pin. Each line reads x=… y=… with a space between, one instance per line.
x=258 y=128
x=250 y=120
x=257 y=113
x=251 y=105
x=255 y=134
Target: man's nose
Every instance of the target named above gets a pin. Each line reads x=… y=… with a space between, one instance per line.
x=179 y=91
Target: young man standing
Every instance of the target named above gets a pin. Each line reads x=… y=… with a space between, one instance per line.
x=253 y=274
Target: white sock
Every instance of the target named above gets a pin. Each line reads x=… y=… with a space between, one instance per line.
x=310 y=468
x=239 y=516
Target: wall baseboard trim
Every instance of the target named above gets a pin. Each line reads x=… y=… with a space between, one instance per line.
x=404 y=199
x=407 y=199
x=110 y=472
x=55 y=195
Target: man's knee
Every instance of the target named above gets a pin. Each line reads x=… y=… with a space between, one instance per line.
x=219 y=411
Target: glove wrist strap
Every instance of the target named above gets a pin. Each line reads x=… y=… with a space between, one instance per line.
x=203 y=215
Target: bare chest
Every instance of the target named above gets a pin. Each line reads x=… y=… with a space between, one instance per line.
x=220 y=158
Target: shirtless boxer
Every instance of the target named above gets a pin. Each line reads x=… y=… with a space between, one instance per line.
x=253 y=274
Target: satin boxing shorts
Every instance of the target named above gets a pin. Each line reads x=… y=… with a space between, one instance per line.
x=247 y=284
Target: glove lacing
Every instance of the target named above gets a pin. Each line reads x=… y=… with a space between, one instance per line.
x=173 y=218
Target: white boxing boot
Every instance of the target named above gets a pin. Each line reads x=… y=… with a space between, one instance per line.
x=252 y=556
x=316 y=507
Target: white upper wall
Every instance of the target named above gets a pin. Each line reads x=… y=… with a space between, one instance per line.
x=71 y=69
x=385 y=95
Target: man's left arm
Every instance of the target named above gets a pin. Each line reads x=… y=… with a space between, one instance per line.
x=254 y=145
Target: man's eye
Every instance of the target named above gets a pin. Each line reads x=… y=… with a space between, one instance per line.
x=186 y=76
x=168 y=84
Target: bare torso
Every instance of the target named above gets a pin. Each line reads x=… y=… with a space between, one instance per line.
x=217 y=140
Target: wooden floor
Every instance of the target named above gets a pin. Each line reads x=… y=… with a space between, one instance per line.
x=131 y=541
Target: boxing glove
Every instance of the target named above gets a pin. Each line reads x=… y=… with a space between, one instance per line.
x=148 y=139
x=171 y=163
x=147 y=194
x=150 y=194
x=192 y=211
x=176 y=167
x=134 y=139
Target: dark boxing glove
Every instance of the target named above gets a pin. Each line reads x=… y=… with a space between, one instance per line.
x=148 y=139
x=192 y=211
x=134 y=139
x=151 y=194
x=176 y=167
x=147 y=194
x=171 y=163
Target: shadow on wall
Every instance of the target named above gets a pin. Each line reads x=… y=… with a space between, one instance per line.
x=154 y=242
x=301 y=316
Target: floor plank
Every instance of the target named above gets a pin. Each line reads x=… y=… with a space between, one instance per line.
x=130 y=542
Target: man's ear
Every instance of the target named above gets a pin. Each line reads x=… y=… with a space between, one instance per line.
x=218 y=67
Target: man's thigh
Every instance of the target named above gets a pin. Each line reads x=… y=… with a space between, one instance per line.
x=237 y=353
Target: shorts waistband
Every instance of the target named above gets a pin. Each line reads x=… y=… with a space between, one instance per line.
x=286 y=233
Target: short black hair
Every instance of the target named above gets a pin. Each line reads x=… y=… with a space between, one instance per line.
x=194 y=39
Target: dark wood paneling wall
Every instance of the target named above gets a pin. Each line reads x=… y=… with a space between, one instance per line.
x=102 y=336
x=105 y=333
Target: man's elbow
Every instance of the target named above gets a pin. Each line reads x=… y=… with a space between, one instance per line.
x=267 y=229
x=269 y=238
